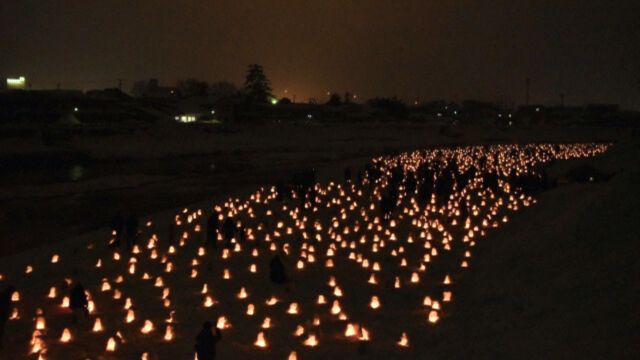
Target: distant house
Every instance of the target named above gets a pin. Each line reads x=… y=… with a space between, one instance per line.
x=13 y=83
x=153 y=90
x=531 y=114
x=603 y=112
x=481 y=111
x=564 y=114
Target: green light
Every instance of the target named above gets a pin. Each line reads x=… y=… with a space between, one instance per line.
x=274 y=101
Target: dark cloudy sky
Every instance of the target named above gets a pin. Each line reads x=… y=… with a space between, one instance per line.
x=454 y=49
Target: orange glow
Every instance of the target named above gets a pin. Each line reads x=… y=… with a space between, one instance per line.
x=168 y=335
x=242 y=294
x=131 y=316
x=311 y=341
x=375 y=302
x=111 y=345
x=66 y=336
x=260 y=341
x=222 y=323
x=433 y=316
x=97 y=326
x=404 y=340
x=335 y=308
x=147 y=328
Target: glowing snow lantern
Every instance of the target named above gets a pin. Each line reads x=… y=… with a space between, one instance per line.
x=404 y=340
x=222 y=323
x=260 y=341
x=250 y=309
x=415 y=278
x=55 y=258
x=321 y=300
x=447 y=280
x=351 y=330
x=266 y=323
x=311 y=341
x=147 y=328
x=208 y=301
x=364 y=334
x=66 y=336
x=242 y=294
x=52 y=293
x=131 y=316
x=372 y=279
x=272 y=301
x=168 y=335
x=97 y=325
x=299 y=331
x=105 y=285
x=65 y=302
x=446 y=296
x=293 y=356
x=40 y=323
x=15 y=297
x=37 y=345
x=15 y=315
x=293 y=309
x=433 y=316
x=111 y=345
x=335 y=308
x=375 y=302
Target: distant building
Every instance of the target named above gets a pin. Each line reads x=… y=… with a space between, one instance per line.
x=16 y=83
x=531 y=114
x=603 y=112
x=480 y=111
x=153 y=90
x=564 y=115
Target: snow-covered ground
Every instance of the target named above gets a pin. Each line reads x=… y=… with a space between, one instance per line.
x=524 y=289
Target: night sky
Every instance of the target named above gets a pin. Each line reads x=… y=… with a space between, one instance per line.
x=589 y=50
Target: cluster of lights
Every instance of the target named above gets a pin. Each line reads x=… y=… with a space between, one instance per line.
x=339 y=230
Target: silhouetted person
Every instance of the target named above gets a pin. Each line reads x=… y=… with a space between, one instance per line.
x=172 y=232
x=212 y=228
x=78 y=302
x=277 y=271
x=347 y=174
x=117 y=225
x=131 y=230
x=410 y=183
x=228 y=230
x=5 y=309
x=206 y=342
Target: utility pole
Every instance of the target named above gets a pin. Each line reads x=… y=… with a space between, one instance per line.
x=120 y=84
